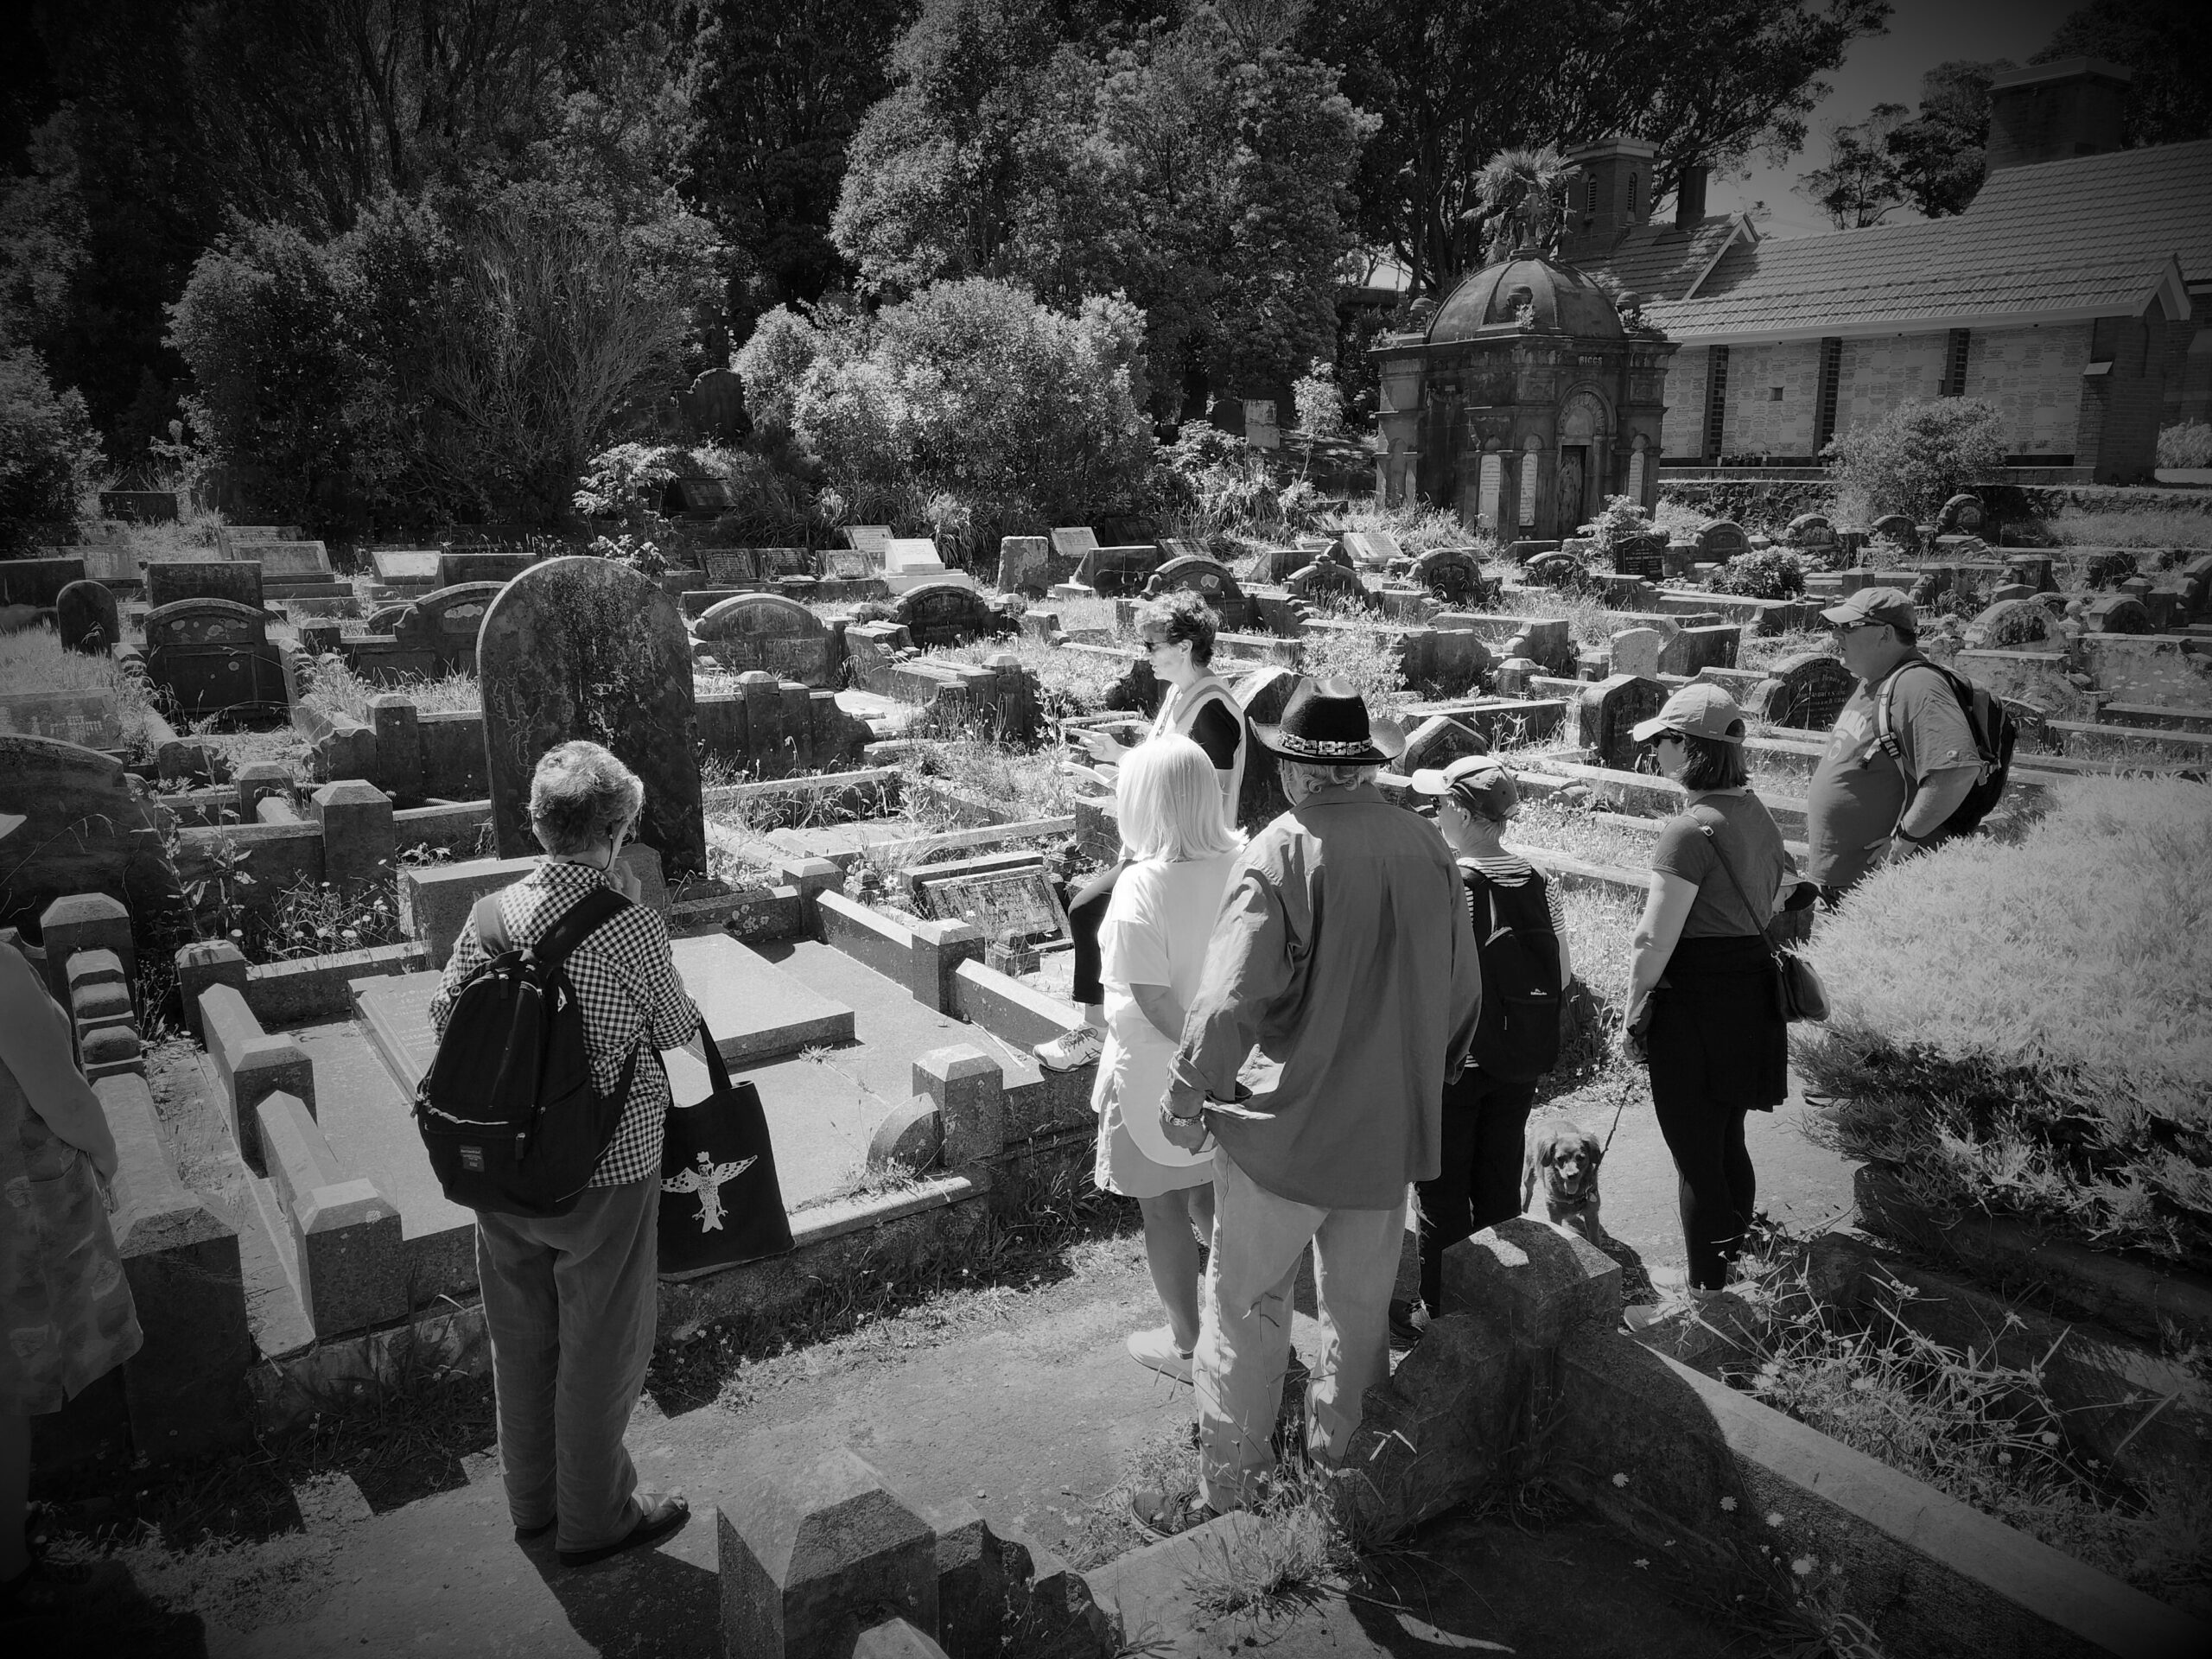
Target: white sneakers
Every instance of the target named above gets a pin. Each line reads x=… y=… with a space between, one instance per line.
x=1156 y=1351
x=1081 y=1046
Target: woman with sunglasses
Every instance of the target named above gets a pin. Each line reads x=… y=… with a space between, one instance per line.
x=1703 y=1007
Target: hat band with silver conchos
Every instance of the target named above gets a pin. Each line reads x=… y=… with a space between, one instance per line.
x=1322 y=748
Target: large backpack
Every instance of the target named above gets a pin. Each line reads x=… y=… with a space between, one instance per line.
x=507 y=1109
x=1516 y=1038
x=1995 y=732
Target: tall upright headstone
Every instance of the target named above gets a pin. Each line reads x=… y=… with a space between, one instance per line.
x=1610 y=711
x=579 y=647
x=86 y=616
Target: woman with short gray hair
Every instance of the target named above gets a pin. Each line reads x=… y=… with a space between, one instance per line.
x=570 y=1299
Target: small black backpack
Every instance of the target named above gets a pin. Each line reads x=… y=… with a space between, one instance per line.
x=507 y=1109
x=1995 y=732
x=1516 y=1038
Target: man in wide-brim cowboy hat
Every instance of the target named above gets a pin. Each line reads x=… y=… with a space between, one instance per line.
x=1343 y=950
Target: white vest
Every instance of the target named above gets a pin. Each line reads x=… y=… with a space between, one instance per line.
x=1178 y=711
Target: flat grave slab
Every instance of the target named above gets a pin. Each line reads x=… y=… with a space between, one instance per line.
x=87 y=718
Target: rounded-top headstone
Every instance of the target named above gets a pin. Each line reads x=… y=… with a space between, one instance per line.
x=1722 y=539
x=2118 y=613
x=581 y=647
x=1963 y=514
x=1897 y=528
x=85 y=615
x=1806 y=691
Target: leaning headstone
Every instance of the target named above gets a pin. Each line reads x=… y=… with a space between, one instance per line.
x=1075 y=543
x=86 y=616
x=95 y=835
x=1806 y=691
x=1962 y=515
x=773 y=635
x=238 y=581
x=1610 y=711
x=445 y=622
x=871 y=539
x=810 y=1555
x=410 y=567
x=2118 y=613
x=1209 y=579
x=1722 y=540
x=1436 y=742
x=1453 y=573
x=1635 y=652
x=89 y=718
x=581 y=647
x=1025 y=565
x=941 y=613
x=1016 y=905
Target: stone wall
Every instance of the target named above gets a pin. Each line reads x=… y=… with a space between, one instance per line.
x=1758 y=422
x=1877 y=375
x=1682 y=430
x=2034 y=377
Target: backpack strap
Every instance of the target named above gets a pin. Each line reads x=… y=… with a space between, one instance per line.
x=578 y=923
x=1721 y=855
x=492 y=926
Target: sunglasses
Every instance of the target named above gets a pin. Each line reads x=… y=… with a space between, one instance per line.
x=1842 y=628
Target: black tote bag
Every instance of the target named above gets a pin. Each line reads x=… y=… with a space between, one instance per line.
x=720 y=1202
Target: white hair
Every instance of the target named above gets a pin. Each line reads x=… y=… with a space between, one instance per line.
x=1320 y=776
x=581 y=795
x=1167 y=797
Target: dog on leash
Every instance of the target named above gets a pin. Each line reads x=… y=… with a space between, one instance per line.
x=1561 y=1171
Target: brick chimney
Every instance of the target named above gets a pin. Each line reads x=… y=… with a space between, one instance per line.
x=1609 y=190
x=1689 y=196
x=2049 y=112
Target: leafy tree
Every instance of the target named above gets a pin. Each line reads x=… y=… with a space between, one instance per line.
x=48 y=457
x=2167 y=44
x=1456 y=81
x=1919 y=456
x=1860 y=186
x=1938 y=156
x=1518 y=192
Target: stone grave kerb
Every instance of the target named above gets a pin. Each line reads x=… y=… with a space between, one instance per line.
x=579 y=647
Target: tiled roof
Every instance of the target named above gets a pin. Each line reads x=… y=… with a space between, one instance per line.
x=2087 y=234
x=1658 y=262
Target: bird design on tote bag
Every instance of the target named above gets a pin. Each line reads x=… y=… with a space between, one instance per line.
x=707 y=1181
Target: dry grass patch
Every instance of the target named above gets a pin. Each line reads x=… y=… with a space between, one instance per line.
x=34 y=660
x=2020 y=1028
x=2150 y=527
x=456 y=693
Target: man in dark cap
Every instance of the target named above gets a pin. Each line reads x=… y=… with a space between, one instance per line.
x=1343 y=951
x=1870 y=803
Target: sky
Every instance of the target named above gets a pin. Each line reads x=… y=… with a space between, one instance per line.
x=1887 y=68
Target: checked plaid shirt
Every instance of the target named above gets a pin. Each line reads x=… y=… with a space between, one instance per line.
x=631 y=993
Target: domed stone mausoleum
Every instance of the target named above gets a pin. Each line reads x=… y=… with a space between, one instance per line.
x=1523 y=403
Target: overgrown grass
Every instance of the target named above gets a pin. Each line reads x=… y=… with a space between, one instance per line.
x=34 y=660
x=1419 y=529
x=2150 y=527
x=1365 y=656
x=1025 y=784
x=2020 y=1028
x=455 y=693
x=1985 y=1434
x=1072 y=682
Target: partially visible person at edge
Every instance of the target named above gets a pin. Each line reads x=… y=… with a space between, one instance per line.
x=569 y=1300
x=1177 y=630
x=1343 y=950
x=1716 y=1036
x=1511 y=905
x=1864 y=806
x=1153 y=947
x=69 y=1316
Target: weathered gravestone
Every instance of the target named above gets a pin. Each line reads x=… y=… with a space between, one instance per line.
x=1806 y=691
x=713 y=406
x=1006 y=907
x=1635 y=652
x=37 y=582
x=2011 y=622
x=2031 y=569
x=406 y=566
x=1210 y=579
x=1118 y=572
x=846 y=564
x=1327 y=582
x=1962 y=515
x=772 y=634
x=1641 y=556
x=485 y=565
x=694 y=498
x=1436 y=743
x=1264 y=694
x=1076 y=541
x=89 y=718
x=238 y=581
x=778 y=563
x=1810 y=530
x=1372 y=547
x=870 y=539
x=140 y=507
x=2196 y=588
x=89 y=832
x=1722 y=540
x=1025 y=565
x=211 y=656
x=579 y=647
x=85 y=614
x=1453 y=573
x=1276 y=564
x=731 y=567
x=1609 y=712
x=2118 y=613
x=1897 y=528
x=939 y=614
x=446 y=622
x=385 y=618
x=292 y=561
x=2108 y=568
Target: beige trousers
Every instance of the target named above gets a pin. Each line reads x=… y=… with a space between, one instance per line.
x=1244 y=1333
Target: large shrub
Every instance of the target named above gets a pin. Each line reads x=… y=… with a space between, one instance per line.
x=1919 y=456
x=2020 y=1028
x=969 y=403
x=2185 y=444
x=1765 y=573
x=48 y=457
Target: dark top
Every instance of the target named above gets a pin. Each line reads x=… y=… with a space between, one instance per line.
x=1747 y=834
x=1217 y=732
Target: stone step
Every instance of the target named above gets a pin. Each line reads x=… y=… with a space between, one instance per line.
x=755 y=1010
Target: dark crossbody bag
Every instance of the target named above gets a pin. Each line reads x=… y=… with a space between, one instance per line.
x=1797 y=987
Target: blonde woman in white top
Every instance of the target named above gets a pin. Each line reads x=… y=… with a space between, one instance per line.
x=1153 y=943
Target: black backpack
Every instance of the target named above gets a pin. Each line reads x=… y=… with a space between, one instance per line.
x=1516 y=1038
x=507 y=1109
x=1995 y=732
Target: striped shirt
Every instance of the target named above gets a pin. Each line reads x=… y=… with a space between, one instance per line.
x=632 y=996
x=1513 y=871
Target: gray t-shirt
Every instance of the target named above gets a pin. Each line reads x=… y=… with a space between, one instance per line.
x=1746 y=833
x=1859 y=792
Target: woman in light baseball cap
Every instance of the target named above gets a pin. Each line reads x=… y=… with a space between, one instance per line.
x=1703 y=1007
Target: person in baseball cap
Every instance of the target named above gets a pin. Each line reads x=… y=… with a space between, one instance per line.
x=1883 y=605
x=1481 y=782
x=1697 y=710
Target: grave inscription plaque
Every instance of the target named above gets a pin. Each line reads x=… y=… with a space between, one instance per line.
x=1015 y=906
x=581 y=647
x=238 y=581
x=87 y=718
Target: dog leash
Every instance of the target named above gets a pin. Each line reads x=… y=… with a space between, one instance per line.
x=1628 y=1087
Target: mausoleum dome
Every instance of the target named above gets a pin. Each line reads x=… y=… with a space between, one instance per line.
x=1489 y=303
